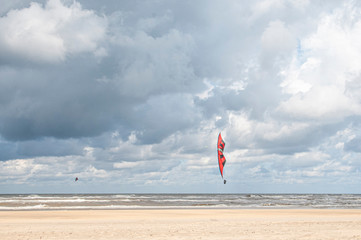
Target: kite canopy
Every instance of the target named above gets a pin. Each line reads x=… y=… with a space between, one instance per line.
x=221 y=159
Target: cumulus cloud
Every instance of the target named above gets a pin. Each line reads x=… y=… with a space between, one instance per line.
x=323 y=79
x=49 y=33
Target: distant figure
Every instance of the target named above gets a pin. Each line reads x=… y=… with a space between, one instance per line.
x=76 y=179
x=224 y=182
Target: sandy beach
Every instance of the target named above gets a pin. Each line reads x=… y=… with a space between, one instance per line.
x=182 y=224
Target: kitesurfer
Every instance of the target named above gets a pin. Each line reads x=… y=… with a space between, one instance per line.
x=76 y=179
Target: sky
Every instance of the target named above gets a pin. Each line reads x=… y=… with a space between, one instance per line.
x=130 y=96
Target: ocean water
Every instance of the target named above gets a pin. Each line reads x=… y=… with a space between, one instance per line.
x=11 y=202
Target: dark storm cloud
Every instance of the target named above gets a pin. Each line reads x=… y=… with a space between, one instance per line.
x=57 y=102
x=40 y=148
x=165 y=115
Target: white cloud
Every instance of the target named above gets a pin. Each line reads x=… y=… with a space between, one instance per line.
x=126 y=164
x=17 y=167
x=318 y=87
x=50 y=33
x=326 y=103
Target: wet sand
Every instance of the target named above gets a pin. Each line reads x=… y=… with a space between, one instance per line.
x=182 y=224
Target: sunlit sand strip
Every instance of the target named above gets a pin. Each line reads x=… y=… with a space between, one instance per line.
x=182 y=224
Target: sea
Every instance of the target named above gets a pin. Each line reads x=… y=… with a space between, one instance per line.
x=14 y=202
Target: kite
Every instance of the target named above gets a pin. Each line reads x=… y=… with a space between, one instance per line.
x=221 y=159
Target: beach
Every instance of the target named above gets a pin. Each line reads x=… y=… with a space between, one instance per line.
x=182 y=224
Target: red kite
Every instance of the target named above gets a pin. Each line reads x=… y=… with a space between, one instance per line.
x=221 y=159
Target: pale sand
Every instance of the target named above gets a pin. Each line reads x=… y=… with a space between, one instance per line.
x=182 y=224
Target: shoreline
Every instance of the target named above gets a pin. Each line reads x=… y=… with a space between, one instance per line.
x=182 y=224
x=174 y=208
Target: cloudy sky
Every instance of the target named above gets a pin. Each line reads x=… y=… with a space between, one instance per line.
x=129 y=96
